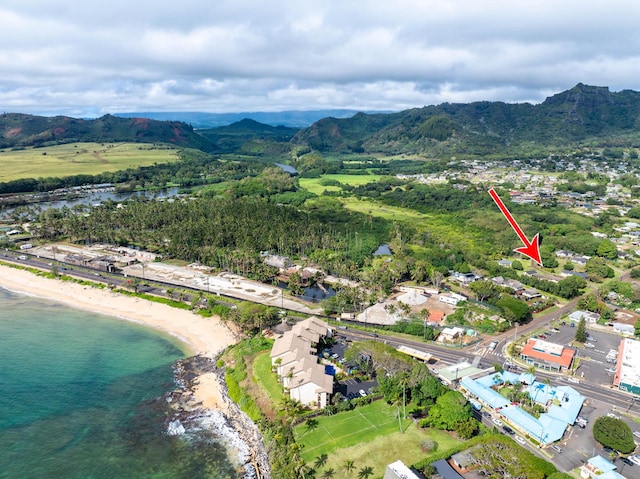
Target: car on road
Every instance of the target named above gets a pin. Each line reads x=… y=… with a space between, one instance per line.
x=610 y=370
x=508 y=430
x=573 y=380
x=486 y=414
x=627 y=461
x=521 y=440
x=362 y=393
x=22 y=257
x=613 y=415
x=497 y=421
x=556 y=448
x=635 y=460
x=493 y=345
x=589 y=345
x=636 y=433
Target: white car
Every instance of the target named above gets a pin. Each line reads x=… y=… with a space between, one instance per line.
x=497 y=421
x=636 y=433
x=589 y=345
x=614 y=416
x=362 y=393
x=521 y=440
x=573 y=380
x=634 y=459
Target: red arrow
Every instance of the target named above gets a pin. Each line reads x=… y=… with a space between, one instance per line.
x=530 y=249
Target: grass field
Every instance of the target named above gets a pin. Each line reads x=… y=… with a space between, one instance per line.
x=384 y=450
x=266 y=378
x=369 y=436
x=313 y=184
x=362 y=424
x=80 y=158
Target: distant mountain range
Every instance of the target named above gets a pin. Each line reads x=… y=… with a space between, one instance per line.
x=583 y=115
x=200 y=120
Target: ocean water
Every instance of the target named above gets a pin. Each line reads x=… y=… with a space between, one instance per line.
x=83 y=396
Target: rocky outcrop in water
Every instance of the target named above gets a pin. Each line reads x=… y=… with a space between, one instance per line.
x=232 y=426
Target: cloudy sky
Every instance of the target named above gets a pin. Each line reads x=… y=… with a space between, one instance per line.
x=87 y=58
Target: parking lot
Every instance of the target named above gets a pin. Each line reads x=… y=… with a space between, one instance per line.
x=350 y=387
x=592 y=364
x=578 y=444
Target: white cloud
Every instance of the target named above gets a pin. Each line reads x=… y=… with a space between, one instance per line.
x=238 y=55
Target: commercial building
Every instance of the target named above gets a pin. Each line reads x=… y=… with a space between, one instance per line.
x=627 y=377
x=546 y=355
x=599 y=467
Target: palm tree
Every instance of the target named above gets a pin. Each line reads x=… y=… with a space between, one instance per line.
x=365 y=472
x=349 y=466
x=320 y=461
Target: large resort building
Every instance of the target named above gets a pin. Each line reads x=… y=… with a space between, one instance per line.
x=293 y=356
x=546 y=355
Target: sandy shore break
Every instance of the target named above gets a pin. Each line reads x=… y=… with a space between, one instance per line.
x=202 y=336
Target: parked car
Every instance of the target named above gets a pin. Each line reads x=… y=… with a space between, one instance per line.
x=508 y=430
x=335 y=356
x=582 y=418
x=486 y=414
x=497 y=421
x=592 y=339
x=635 y=460
x=636 y=433
x=521 y=440
x=556 y=448
x=608 y=450
x=362 y=393
x=589 y=345
x=613 y=415
x=627 y=461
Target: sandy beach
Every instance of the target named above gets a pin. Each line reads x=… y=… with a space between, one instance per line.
x=204 y=336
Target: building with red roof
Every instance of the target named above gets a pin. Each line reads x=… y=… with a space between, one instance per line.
x=546 y=355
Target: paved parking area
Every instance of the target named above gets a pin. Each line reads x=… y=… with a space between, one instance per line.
x=592 y=364
x=578 y=444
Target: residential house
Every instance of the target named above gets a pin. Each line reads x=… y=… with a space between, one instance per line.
x=449 y=335
x=588 y=316
x=599 y=467
x=398 y=470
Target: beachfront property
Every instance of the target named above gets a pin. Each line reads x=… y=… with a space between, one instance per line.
x=293 y=356
x=563 y=404
x=627 y=377
x=546 y=355
x=599 y=467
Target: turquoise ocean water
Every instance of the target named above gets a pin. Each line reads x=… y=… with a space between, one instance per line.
x=82 y=396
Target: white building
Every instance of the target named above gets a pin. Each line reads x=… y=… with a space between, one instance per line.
x=398 y=470
x=293 y=357
x=588 y=316
x=627 y=377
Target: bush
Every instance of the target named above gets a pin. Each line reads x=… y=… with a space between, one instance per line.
x=614 y=433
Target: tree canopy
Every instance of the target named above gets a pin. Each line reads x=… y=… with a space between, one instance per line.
x=614 y=433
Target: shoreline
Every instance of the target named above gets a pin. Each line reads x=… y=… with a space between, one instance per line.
x=199 y=337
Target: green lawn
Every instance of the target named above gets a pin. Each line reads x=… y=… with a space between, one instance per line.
x=266 y=378
x=386 y=449
x=80 y=158
x=362 y=424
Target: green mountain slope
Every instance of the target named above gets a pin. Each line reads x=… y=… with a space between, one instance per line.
x=581 y=114
x=18 y=130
